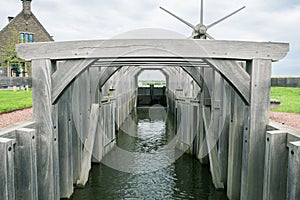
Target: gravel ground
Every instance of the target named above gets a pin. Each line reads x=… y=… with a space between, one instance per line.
x=14 y=117
x=288 y=119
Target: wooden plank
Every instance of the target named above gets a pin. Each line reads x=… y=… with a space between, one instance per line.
x=26 y=185
x=106 y=74
x=55 y=154
x=65 y=144
x=15 y=81
x=276 y=164
x=153 y=48
x=42 y=114
x=195 y=73
x=224 y=118
x=211 y=125
x=77 y=130
x=238 y=78
x=293 y=181
x=65 y=73
x=235 y=149
x=255 y=133
x=7 y=189
x=88 y=146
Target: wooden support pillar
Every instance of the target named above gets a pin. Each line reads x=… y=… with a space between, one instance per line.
x=7 y=189
x=204 y=96
x=236 y=127
x=43 y=114
x=25 y=164
x=88 y=146
x=255 y=129
x=275 y=172
x=293 y=180
x=65 y=144
x=211 y=123
x=224 y=118
x=77 y=131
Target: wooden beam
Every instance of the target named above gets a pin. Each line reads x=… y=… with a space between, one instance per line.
x=255 y=129
x=238 y=78
x=236 y=127
x=65 y=144
x=46 y=136
x=88 y=146
x=106 y=74
x=65 y=73
x=195 y=73
x=154 y=48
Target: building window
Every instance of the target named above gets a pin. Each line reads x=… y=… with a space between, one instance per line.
x=26 y=37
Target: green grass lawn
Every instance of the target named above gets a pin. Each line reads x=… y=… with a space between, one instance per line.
x=289 y=97
x=10 y=100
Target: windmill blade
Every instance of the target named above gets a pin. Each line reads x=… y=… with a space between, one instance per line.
x=201 y=13
x=209 y=36
x=180 y=19
x=213 y=24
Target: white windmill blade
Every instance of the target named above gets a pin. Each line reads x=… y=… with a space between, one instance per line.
x=213 y=24
x=201 y=13
x=209 y=36
x=180 y=19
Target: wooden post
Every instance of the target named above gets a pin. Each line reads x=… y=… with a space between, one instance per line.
x=77 y=130
x=212 y=127
x=25 y=164
x=276 y=159
x=7 y=189
x=293 y=181
x=202 y=154
x=47 y=148
x=224 y=117
x=255 y=133
x=88 y=146
x=65 y=144
x=236 y=128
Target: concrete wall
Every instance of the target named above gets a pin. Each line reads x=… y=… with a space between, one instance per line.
x=286 y=81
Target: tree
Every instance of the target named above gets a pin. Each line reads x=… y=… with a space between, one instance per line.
x=8 y=50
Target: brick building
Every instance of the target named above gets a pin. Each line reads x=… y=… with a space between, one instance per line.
x=28 y=29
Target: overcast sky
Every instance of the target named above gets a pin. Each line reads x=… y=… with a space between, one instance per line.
x=262 y=20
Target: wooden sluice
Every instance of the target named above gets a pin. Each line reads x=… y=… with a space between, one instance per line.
x=219 y=91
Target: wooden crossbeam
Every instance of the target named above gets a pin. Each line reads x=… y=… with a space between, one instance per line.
x=154 y=48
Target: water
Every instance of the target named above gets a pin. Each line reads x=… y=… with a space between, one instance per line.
x=145 y=136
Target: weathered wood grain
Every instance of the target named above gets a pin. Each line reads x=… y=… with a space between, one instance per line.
x=65 y=144
x=276 y=164
x=65 y=73
x=88 y=146
x=255 y=133
x=42 y=114
x=106 y=74
x=238 y=78
x=236 y=127
x=7 y=189
x=153 y=48
x=293 y=181
x=26 y=185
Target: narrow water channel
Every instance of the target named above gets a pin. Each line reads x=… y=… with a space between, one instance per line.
x=145 y=133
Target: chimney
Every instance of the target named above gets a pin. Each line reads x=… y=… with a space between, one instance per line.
x=26 y=7
x=10 y=18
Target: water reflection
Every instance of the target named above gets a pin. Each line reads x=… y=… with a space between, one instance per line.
x=147 y=135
